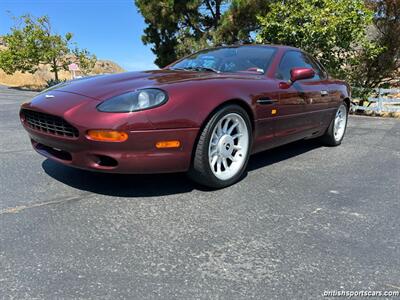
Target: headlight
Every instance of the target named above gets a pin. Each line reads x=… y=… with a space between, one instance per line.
x=134 y=101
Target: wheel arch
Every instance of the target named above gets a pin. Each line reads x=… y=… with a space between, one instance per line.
x=348 y=103
x=243 y=104
x=240 y=102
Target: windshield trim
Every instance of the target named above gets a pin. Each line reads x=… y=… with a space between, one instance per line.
x=267 y=67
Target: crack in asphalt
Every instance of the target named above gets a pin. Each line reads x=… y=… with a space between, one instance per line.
x=19 y=208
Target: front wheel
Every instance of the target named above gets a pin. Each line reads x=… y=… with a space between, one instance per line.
x=336 y=130
x=223 y=148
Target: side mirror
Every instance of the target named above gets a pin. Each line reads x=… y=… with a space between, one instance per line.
x=301 y=73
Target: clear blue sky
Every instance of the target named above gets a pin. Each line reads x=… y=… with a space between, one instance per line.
x=111 y=29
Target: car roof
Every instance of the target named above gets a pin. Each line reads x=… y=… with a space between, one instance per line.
x=259 y=45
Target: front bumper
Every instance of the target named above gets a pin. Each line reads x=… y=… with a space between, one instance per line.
x=137 y=155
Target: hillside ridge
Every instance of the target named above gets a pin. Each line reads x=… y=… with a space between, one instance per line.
x=38 y=80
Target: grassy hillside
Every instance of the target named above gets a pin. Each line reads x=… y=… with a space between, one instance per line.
x=38 y=80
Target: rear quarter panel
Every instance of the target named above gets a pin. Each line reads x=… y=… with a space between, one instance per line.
x=339 y=91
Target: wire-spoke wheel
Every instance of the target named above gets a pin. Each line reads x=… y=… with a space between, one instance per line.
x=336 y=130
x=223 y=148
x=228 y=146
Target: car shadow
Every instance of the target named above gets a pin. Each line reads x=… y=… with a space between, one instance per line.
x=281 y=153
x=119 y=185
x=150 y=185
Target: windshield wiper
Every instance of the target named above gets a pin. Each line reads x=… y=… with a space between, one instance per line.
x=202 y=69
x=178 y=69
x=197 y=69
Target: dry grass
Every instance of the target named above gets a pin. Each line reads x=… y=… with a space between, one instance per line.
x=38 y=80
x=383 y=114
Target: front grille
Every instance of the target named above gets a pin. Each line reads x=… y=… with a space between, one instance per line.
x=49 y=124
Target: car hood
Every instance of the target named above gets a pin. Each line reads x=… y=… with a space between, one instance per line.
x=106 y=86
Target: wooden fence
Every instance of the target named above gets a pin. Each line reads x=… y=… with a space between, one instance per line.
x=382 y=102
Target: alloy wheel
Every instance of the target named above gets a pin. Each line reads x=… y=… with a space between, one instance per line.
x=228 y=146
x=340 y=122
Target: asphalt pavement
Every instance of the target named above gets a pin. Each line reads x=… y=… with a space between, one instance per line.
x=305 y=219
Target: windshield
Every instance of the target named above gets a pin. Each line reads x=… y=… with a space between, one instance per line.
x=248 y=59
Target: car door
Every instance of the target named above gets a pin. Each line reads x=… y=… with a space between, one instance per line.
x=333 y=97
x=294 y=121
x=320 y=97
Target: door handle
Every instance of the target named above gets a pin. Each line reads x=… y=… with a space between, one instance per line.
x=324 y=93
x=266 y=101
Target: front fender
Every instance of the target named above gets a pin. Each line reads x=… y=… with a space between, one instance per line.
x=190 y=104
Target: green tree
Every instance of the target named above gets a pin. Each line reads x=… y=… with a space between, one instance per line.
x=332 y=30
x=177 y=28
x=32 y=43
x=84 y=59
x=384 y=68
x=239 y=22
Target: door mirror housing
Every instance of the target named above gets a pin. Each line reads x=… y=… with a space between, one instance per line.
x=301 y=73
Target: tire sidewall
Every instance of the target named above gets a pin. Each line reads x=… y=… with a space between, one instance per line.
x=329 y=137
x=210 y=128
x=338 y=142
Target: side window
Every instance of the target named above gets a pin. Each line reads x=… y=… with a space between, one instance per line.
x=297 y=59
x=317 y=68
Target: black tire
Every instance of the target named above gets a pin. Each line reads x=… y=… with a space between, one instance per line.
x=329 y=137
x=200 y=170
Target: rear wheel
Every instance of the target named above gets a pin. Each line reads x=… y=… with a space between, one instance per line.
x=336 y=130
x=223 y=148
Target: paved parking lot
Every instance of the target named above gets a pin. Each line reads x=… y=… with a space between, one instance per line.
x=305 y=219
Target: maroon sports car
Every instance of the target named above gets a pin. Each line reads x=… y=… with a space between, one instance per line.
x=204 y=114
